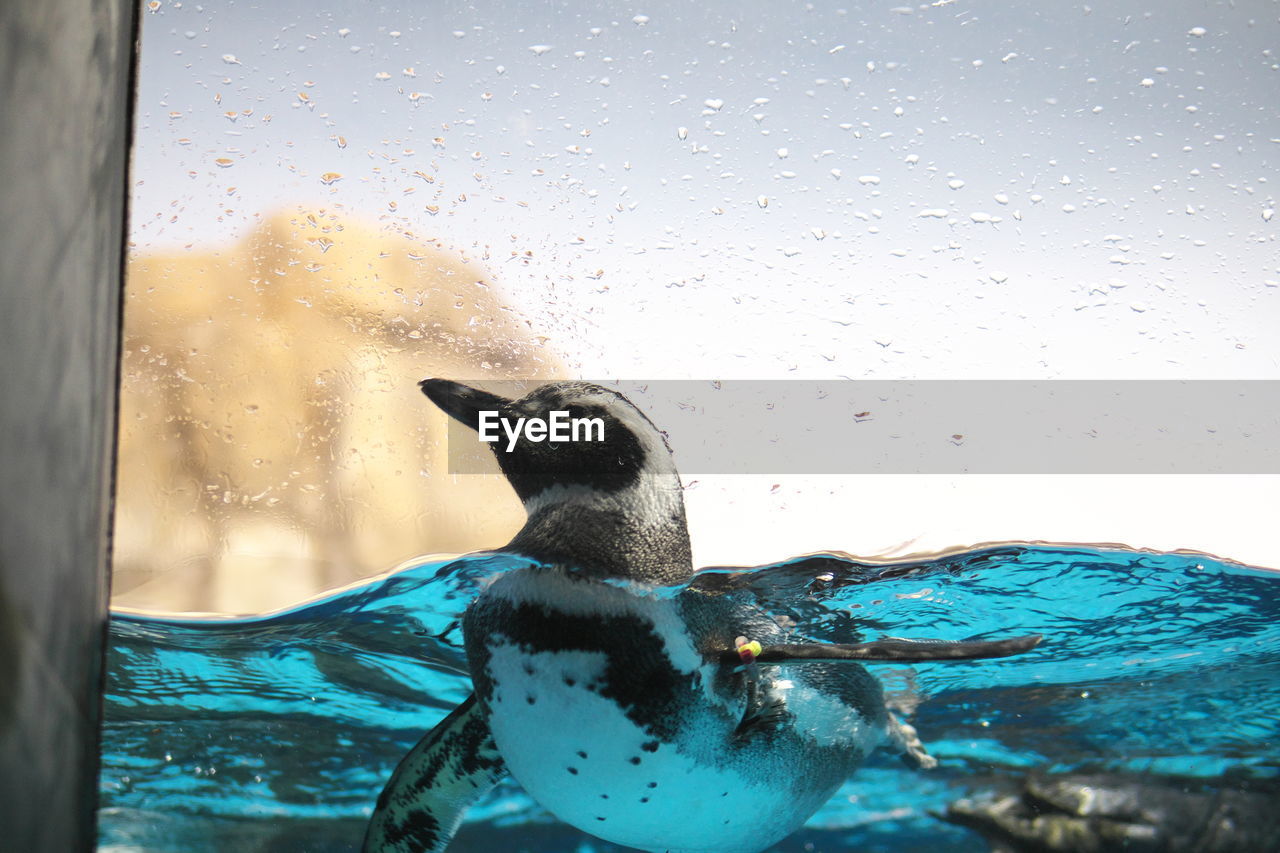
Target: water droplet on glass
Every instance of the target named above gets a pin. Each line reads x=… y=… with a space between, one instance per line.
x=870 y=180
x=640 y=20
x=329 y=178
x=1267 y=213
x=1147 y=82
x=223 y=162
x=682 y=133
x=344 y=32
x=955 y=183
x=713 y=103
x=762 y=200
x=1197 y=32
x=382 y=75
x=540 y=49
x=230 y=59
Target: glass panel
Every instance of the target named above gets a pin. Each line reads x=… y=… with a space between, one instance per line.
x=336 y=201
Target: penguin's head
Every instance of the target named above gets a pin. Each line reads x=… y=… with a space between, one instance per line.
x=573 y=435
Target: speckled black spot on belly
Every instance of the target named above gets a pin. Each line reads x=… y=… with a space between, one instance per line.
x=638 y=675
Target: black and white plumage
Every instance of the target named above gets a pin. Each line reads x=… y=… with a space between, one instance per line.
x=619 y=705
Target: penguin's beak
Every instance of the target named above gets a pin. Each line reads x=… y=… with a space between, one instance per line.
x=461 y=402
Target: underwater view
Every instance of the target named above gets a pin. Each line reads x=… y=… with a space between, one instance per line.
x=277 y=732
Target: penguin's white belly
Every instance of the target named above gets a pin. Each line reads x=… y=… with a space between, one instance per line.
x=579 y=755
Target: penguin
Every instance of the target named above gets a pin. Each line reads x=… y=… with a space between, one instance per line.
x=629 y=696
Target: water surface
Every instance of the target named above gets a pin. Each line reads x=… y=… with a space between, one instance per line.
x=277 y=732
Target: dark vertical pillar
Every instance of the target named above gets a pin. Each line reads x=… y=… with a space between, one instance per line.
x=64 y=122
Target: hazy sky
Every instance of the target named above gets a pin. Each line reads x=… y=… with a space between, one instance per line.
x=955 y=189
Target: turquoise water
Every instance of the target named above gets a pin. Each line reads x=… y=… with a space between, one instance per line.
x=277 y=732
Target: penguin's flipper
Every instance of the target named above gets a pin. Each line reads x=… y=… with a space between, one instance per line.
x=453 y=766
x=892 y=649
